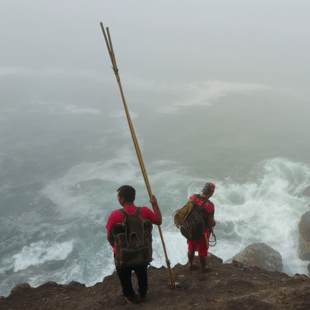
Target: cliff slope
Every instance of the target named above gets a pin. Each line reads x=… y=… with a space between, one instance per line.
x=227 y=286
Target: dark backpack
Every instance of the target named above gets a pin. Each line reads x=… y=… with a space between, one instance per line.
x=133 y=240
x=195 y=223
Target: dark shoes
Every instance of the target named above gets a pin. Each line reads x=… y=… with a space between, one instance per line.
x=142 y=298
x=206 y=270
x=131 y=299
x=192 y=267
x=136 y=299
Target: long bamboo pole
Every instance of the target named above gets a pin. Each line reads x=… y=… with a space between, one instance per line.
x=108 y=41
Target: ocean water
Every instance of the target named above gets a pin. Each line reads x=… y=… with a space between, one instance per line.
x=66 y=148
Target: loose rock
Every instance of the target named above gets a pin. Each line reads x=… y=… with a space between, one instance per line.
x=260 y=255
x=20 y=287
x=304 y=237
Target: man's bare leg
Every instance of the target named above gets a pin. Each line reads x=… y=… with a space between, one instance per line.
x=190 y=255
x=204 y=264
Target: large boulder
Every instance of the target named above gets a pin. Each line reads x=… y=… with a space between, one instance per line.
x=304 y=237
x=20 y=287
x=306 y=191
x=260 y=255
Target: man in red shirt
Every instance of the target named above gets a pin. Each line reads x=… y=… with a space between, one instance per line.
x=126 y=196
x=202 y=245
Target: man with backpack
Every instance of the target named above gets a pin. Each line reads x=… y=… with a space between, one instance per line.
x=202 y=245
x=129 y=233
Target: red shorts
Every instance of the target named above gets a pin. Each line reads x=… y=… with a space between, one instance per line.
x=201 y=245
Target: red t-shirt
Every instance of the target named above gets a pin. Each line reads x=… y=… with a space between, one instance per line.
x=117 y=217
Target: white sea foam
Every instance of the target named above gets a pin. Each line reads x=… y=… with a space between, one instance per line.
x=51 y=107
x=168 y=109
x=40 y=252
x=135 y=82
x=206 y=93
x=56 y=72
x=14 y=71
x=164 y=162
x=66 y=194
x=210 y=91
x=74 y=109
x=265 y=208
x=176 y=247
x=121 y=114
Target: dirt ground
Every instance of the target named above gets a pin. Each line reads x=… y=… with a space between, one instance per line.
x=227 y=286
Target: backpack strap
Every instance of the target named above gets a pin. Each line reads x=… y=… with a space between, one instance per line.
x=204 y=201
x=138 y=210
x=123 y=212
x=211 y=213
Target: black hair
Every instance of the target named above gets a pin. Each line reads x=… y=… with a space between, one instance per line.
x=127 y=192
x=208 y=188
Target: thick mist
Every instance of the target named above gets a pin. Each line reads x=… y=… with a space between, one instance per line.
x=217 y=91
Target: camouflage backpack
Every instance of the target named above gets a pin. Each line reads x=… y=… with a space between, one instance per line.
x=133 y=240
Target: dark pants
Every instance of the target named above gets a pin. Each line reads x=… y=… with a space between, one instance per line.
x=124 y=274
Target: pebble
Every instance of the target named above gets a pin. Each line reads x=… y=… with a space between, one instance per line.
x=177 y=284
x=300 y=277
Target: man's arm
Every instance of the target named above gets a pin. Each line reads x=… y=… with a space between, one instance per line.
x=156 y=210
x=110 y=238
x=211 y=221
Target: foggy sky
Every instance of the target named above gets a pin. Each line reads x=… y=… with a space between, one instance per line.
x=162 y=42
